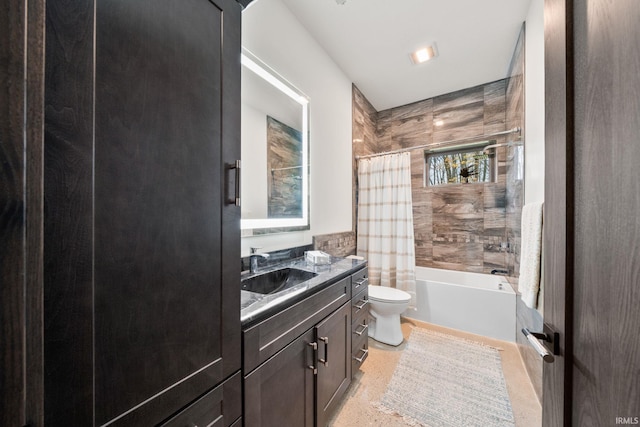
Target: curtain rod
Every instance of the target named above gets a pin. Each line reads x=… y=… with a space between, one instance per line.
x=471 y=138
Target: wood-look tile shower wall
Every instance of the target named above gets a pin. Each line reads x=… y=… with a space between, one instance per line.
x=457 y=227
x=363 y=131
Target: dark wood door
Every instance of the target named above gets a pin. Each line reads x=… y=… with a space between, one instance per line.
x=333 y=335
x=558 y=210
x=606 y=294
x=592 y=197
x=141 y=300
x=281 y=391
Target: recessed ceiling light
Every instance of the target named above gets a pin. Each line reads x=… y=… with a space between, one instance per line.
x=438 y=122
x=423 y=54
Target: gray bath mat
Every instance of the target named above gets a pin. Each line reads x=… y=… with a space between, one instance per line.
x=444 y=381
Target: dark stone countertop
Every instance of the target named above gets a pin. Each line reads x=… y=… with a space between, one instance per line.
x=254 y=306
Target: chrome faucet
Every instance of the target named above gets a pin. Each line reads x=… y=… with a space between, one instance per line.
x=254 y=259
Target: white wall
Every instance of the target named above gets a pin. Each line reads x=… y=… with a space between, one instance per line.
x=534 y=103
x=274 y=35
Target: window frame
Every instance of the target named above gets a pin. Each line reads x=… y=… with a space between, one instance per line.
x=457 y=149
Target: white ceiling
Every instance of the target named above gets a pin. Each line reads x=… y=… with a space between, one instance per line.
x=371 y=40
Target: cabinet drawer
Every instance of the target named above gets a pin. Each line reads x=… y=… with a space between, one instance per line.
x=359 y=354
x=219 y=407
x=359 y=281
x=360 y=304
x=266 y=338
x=359 y=330
x=359 y=343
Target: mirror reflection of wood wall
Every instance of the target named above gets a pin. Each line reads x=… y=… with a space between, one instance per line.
x=284 y=157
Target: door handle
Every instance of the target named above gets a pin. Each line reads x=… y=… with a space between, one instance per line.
x=361 y=358
x=314 y=347
x=537 y=340
x=361 y=282
x=325 y=361
x=361 y=331
x=362 y=304
x=235 y=200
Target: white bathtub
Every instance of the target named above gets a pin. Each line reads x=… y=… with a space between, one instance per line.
x=482 y=304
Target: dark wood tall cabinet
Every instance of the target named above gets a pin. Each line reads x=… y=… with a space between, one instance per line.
x=139 y=247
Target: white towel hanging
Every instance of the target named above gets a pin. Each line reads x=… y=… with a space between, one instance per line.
x=530 y=259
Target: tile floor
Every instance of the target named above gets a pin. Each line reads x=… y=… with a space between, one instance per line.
x=370 y=382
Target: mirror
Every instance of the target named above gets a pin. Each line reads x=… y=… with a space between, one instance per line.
x=275 y=151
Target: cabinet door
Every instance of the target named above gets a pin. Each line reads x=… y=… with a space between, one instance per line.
x=141 y=311
x=280 y=392
x=334 y=361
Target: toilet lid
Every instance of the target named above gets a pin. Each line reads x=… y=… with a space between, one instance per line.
x=386 y=294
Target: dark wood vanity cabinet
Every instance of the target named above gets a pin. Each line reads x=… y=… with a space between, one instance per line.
x=141 y=279
x=298 y=362
x=313 y=371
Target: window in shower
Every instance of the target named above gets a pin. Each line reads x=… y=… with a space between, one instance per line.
x=456 y=165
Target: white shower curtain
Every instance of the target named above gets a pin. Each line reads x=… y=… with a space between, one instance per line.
x=385 y=221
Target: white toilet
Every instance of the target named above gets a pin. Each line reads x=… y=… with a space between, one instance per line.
x=386 y=305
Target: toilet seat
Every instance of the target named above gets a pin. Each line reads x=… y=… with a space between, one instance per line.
x=388 y=295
